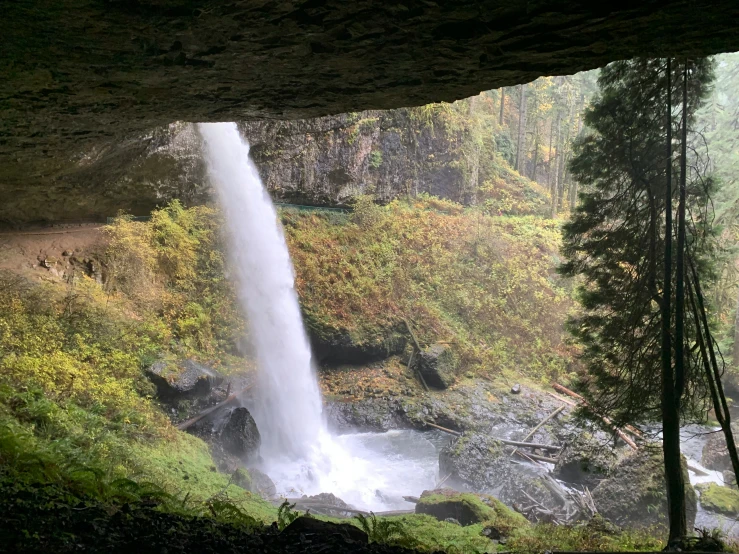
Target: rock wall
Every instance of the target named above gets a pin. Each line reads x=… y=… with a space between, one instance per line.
x=447 y=150
x=329 y=160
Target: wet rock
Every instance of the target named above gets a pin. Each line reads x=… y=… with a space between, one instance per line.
x=182 y=380
x=311 y=527
x=715 y=454
x=634 y=495
x=492 y=533
x=730 y=479
x=325 y=498
x=367 y=415
x=240 y=436
x=585 y=460
x=479 y=463
x=339 y=346
x=255 y=481
x=516 y=389
x=438 y=366
x=452 y=521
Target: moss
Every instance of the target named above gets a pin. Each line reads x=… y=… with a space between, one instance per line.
x=720 y=499
x=431 y=535
x=480 y=508
x=591 y=537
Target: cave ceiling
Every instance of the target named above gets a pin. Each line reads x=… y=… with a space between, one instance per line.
x=78 y=74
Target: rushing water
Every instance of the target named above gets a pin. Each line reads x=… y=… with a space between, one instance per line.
x=370 y=471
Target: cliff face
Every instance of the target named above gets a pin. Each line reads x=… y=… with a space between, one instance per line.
x=329 y=160
x=455 y=151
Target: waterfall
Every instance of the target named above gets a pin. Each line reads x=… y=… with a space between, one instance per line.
x=298 y=452
x=289 y=402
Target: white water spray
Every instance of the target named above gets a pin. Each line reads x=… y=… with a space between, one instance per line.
x=299 y=453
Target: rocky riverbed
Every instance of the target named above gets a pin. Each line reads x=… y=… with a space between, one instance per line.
x=582 y=462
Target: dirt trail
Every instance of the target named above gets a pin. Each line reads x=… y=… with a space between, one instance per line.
x=25 y=251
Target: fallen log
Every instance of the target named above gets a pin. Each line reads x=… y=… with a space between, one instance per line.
x=440 y=428
x=697 y=470
x=606 y=420
x=540 y=458
x=519 y=444
x=190 y=422
x=417 y=349
x=535 y=429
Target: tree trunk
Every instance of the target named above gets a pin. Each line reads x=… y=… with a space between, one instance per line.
x=557 y=156
x=713 y=375
x=565 y=155
x=549 y=157
x=521 y=143
x=670 y=408
x=735 y=352
x=502 y=105
x=536 y=156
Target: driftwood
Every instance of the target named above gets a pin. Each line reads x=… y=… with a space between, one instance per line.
x=697 y=470
x=629 y=428
x=535 y=429
x=539 y=458
x=607 y=421
x=440 y=428
x=441 y=483
x=190 y=422
x=519 y=444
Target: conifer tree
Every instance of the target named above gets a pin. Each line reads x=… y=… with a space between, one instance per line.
x=620 y=242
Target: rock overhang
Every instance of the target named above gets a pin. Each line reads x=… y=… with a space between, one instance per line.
x=79 y=75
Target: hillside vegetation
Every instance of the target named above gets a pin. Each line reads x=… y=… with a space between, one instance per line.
x=483 y=283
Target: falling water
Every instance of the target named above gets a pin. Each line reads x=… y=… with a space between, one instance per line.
x=289 y=413
x=298 y=452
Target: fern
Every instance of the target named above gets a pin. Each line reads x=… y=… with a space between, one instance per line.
x=385 y=531
x=286 y=514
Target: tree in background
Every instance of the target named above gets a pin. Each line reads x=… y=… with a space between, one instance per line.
x=619 y=242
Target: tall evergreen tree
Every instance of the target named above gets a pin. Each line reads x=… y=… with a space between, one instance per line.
x=620 y=242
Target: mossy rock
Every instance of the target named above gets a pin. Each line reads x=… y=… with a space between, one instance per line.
x=634 y=494
x=585 y=460
x=715 y=498
x=438 y=366
x=336 y=346
x=469 y=509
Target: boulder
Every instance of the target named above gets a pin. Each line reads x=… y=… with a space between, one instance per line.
x=468 y=509
x=445 y=504
x=333 y=346
x=634 y=494
x=585 y=460
x=437 y=365
x=722 y=500
x=308 y=526
x=730 y=479
x=255 y=481
x=715 y=454
x=479 y=463
x=185 y=379
x=240 y=436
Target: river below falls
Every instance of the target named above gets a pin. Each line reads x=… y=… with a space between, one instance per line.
x=385 y=467
x=370 y=471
